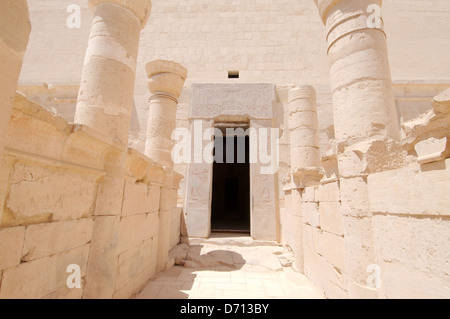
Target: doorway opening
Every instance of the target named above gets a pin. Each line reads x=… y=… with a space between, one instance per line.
x=230 y=207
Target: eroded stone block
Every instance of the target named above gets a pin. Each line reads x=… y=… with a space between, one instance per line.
x=11 y=240
x=54 y=192
x=39 y=278
x=135 y=199
x=52 y=238
x=433 y=150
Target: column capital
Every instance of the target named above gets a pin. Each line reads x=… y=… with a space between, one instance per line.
x=166 y=77
x=302 y=92
x=140 y=8
x=346 y=6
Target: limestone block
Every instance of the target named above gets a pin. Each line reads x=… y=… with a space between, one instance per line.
x=354 y=196
x=151 y=225
x=66 y=293
x=132 y=232
x=310 y=214
x=57 y=193
x=103 y=254
x=357 y=291
x=400 y=281
x=36 y=130
x=426 y=192
x=135 y=199
x=110 y=196
x=137 y=164
x=359 y=253
x=41 y=277
x=331 y=217
x=308 y=194
x=213 y=100
x=132 y=262
x=169 y=198
x=333 y=249
x=126 y=292
x=11 y=240
x=441 y=102
x=175 y=227
x=325 y=276
x=52 y=238
x=163 y=239
x=5 y=169
x=370 y=157
x=311 y=237
x=142 y=279
x=419 y=242
x=433 y=150
x=329 y=192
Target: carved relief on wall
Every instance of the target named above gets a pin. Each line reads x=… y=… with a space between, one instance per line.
x=214 y=100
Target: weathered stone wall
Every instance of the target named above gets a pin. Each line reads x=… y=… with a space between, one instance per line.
x=411 y=206
x=50 y=176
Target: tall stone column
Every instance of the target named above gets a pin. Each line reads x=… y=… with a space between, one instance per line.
x=15 y=28
x=365 y=118
x=166 y=80
x=304 y=137
x=305 y=156
x=105 y=102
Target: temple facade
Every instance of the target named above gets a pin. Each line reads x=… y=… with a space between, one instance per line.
x=130 y=126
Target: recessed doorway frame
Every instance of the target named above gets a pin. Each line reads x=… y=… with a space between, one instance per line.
x=240 y=129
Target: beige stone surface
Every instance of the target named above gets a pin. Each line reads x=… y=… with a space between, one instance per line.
x=424 y=193
x=135 y=199
x=132 y=232
x=50 y=192
x=413 y=260
x=52 y=238
x=215 y=269
x=75 y=193
x=101 y=270
x=26 y=280
x=12 y=240
x=331 y=217
x=15 y=29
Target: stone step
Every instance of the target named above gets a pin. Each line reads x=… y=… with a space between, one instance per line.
x=229 y=240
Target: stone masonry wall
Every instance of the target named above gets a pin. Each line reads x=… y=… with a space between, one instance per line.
x=50 y=174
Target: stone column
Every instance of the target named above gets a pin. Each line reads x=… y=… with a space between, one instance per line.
x=363 y=99
x=305 y=156
x=365 y=118
x=104 y=103
x=105 y=100
x=304 y=137
x=15 y=28
x=166 y=80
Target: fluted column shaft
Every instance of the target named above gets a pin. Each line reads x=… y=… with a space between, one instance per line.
x=166 y=80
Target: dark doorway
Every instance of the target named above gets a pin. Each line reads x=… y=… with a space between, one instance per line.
x=230 y=210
